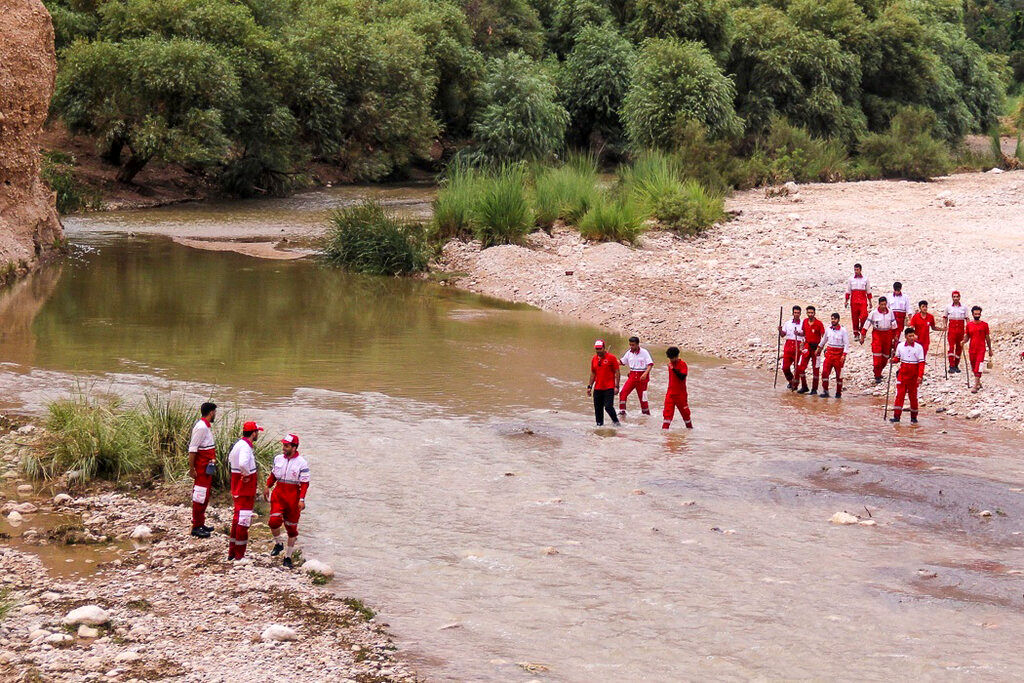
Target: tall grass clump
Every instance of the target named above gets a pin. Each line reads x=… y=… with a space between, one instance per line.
x=907 y=150
x=366 y=238
x=501 y=212
x=453 y=207
x=691 y=211
x=652 y=178
x=613 y=219
x=565 y=192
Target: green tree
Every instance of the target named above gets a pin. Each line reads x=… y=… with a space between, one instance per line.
x=672 y=82
x=593 y=82
x=72 y=19
x=522 y=118
x=501 y=26
x=705 y=21
x=570 y=17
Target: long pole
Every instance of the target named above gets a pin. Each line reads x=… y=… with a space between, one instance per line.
x=778 y=350
x=945 y=351
x=888 y=383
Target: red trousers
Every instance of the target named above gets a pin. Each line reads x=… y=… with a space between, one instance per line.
x=790 y=356
x=636 y=381
x=901 y=321
x=808 y=356
x=977 y=356
x=881 y=349
x=674 y=402
x=240 y=522
x=284 y=508
x=201 y=488
x=907 y=379
x=858 y=311
x=955 y=336
x=924 y=343
x=833 y=361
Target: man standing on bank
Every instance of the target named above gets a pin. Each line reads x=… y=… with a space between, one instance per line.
x=955 y=322
x=639 y=362
x=978 y=338
x=604 y=383
x=858 y=299
x=289 y=480
x=884 y=336
x=202 y=463
x=243 y=488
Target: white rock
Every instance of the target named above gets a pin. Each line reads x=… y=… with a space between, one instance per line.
x=25 y=488
x=29 y=609
x=128 y=657
x=87 y=631
x=14 y=517
x=38 y=634
x=997 y=171
x=142 y=533
x=50 y=596
x=278 y=633
x=985 y=513
x=843 y=518
x=867 y=522
x=92 y=615
x=973 y=414
x=25 y=508
x=322 y=568
x=27 y=429
x=62 y=499
x=95 y=520
x=58 y=638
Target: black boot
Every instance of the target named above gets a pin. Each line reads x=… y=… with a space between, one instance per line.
x=278 y=547
x=287 y=562
x=894 y=419
x=200 y=532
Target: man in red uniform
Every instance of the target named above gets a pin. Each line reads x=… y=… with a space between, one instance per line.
x=978 y=338
x=814 y=330
x=858 y=300
x=675 y=397
x=289 y=480
x=639 y=362
x=955 y=322
x=793 y=332
x=899 y=304
x=923 y=323
x=202 y=463
x=883 y=336
x=837 y=345
x=604 y=383
x=243 y=488
x=910 y=356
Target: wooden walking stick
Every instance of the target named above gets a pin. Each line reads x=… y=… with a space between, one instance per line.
x=778 y=350
x=945 y=352
x=888 y=383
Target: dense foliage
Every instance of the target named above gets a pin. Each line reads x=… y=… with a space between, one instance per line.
x=367 y=238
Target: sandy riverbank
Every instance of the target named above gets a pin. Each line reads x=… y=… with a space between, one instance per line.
x=175 y=607
x=720 y=293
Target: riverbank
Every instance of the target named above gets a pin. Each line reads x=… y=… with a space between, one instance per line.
x=169 y=605
x=720 y=293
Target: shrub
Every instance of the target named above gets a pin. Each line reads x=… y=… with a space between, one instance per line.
x=522 y=119
x=571 y=17
x=58 y=172
x=501 y=213
x=366 y=238
x=565 y=192
x=907 y=150
x=651 y=179
x=704 y=21
x=618 y=220
x=714 y=162
x=692 y=210
x=789 y=152
x=453 y=207
x=502 y=26
x=674 y=81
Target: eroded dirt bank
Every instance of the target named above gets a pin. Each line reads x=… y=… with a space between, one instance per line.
x=721 y=293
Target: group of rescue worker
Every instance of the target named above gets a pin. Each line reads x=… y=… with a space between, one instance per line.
x=285 y=487
x=807 y=340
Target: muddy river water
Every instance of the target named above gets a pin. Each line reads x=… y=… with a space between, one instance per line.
x=460 y=487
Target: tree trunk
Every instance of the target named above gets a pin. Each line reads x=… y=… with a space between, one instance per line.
x=131 y=168
x=112 y=155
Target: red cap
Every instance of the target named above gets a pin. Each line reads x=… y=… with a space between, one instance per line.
x=599 y=344
x=251 y=427
x=293 y=439
x=956 y=292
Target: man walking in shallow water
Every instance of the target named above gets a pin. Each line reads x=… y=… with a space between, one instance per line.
x=604 y=383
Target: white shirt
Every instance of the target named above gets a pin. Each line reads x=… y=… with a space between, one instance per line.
x=899 y=302
x=837 y=338
x=858 y=284
x=293 y=470
x=242 y=459
x=202 y=438
x=910 y=353
x=794 y=330
x=956 y=312
x=638 y=361
x=880 y=321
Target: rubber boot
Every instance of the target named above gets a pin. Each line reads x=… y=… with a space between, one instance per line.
x=814 y=382
x=839 y=388
x=803 y=384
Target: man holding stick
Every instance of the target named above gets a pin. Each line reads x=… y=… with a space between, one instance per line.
x=883 y=336
x=793 y=332
x=910 y=355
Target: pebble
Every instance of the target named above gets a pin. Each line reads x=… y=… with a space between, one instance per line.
x=318 y=567
x=92 y=615
x=844 y=518
x=141 y=533
x=14 y=517
x=25 y=488
x=58 y=638
x=25 y=508
x=985 y=513
x=62 y=499
x=278 y=633
x=85 y=631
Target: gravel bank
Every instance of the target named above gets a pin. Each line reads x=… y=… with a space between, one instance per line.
x=720 y=293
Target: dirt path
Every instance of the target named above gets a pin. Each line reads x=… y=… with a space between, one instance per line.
x=721 y=293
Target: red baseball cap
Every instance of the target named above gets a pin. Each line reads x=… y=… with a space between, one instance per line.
x=251 y=427
x=955 y=293
x=599 y=344
x=293 y=439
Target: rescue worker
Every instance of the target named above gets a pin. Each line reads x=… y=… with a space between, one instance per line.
x=675 y=397
x=978 y=337
x=883 y=336
x=202 y=463
x=923 y=323
x=858 y=299
x=793 y=332
x=814 y=330
x=955 y=322
x=910 y=355
x=243 y=488
x=604 y=383
x=286 y=491
x=837 y=345
x=639 y=362
x=899 y=304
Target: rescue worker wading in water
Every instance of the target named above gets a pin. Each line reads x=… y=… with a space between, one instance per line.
x=639 y=362
x=793 y=332
x=814 y=330
x=243 y=488
x=286 y=491
x=202 y=463
x=910 y=356
x=675 y=397
x=837 y=345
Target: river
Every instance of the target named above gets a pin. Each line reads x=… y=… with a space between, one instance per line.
x=460 y=487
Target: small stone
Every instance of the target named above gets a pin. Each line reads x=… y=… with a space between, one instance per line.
x=278 y=633
x=127 y=657
x=38 y=634
x=58 y=639
x=551 y=550
x=25 y=489
x=985 y=513
x=318 y=567
x=85 y=631
x=639 y=492
x=62 y=499
x=973 y=414
x=926 y=574
x=844 y=518
x=29 y=609
x=27 y=429
x=92 y=615
x=14 y=517
x=142 y=533
x=867 y=522
x=50 y=596
x=25 y=508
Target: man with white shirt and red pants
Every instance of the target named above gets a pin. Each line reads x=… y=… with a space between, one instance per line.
x=837 y=345
x=910 y=355
x=639 y=362
x=289 y=480
x=955 y=322
x=202 y=463
x=793 y=332
x=858 y=299
x=883 y=336
x=899 y=304
x=243 y=488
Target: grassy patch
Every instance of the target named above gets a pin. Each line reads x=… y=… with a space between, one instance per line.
x=7 y=603
x=692 y=210
x=651 y=179
x=565 y=192
x=140 y=605
x=367 y=238
x=613 y=219
x=501 y=212
x=360 y=608
x=907 y=150
x=453 y=207
x=319 y=579
x=58 y=172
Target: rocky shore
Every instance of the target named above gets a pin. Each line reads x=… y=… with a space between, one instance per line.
x=720 y=293
x=168 y=605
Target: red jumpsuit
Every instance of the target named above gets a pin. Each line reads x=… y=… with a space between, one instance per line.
x=814 y=330
x=956 y=314
x=837 y=345
x=289 y=480
x=976 y=331
x=675 y=397
x=203 y=445
x=858 y=295
x=793 y=330
x=911 y=357
x=883 y=338
x=243 y=493
x=923 y=325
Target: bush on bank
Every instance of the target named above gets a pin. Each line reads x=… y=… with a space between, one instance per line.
x=367 y=238
x=100 y=437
